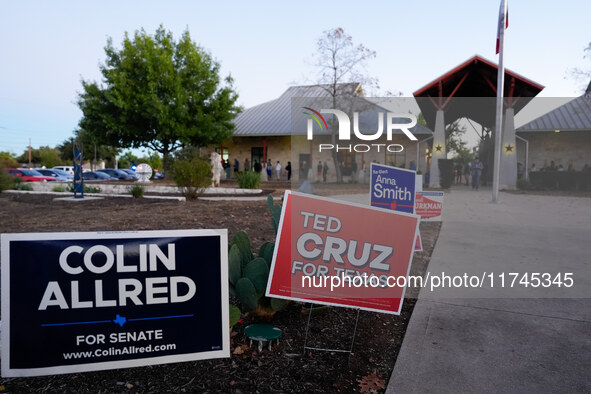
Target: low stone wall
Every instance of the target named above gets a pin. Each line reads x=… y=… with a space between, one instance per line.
x=123 y=188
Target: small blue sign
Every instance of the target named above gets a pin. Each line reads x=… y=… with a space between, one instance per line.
x=392 y=188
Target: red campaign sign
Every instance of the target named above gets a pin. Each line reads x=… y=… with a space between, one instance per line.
x=339 y=253
x=429 y=205
x=419 y=243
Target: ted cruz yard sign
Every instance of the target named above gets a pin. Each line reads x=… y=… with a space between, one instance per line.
x=74 y=302
x=339 y=253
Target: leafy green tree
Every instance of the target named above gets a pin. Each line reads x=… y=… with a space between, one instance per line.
x=90 y=149
x=453 y=136
x=8 y=160
x=43 y=156
x=160 y=94
x=154 y=160
x=127 y=159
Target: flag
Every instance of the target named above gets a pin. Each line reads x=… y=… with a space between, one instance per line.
x=500 y=25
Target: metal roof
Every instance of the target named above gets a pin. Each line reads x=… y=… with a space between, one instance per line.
x=574 y=115
x=275 y=117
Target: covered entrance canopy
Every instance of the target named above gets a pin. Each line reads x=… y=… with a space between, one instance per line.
x=453 y=96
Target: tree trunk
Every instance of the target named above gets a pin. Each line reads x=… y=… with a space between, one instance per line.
x=335 y=159
x=167 y=163
x=334 y=139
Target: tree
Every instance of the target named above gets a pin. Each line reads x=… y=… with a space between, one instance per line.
x=340 y=61
x=8 y=160
x=158 y=94
x=44 y=156
x=91 y=149
x=583 y=76
x=453 y=136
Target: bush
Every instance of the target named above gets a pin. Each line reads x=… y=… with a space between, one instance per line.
x=191 y=176
x=549 y=180
x=59 y=188
x=18 y=184
x=6 y=180
x=87 y=189
x=136 y=191
x=446 y=172
x=248 y=179
x=523 y=184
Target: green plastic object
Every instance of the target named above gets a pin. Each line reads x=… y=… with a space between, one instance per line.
x=262 y=333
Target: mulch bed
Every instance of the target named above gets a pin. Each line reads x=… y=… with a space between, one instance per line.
x=284 y=368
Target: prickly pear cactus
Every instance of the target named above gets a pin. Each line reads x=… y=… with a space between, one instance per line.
x=275 y=212
x=248 y=276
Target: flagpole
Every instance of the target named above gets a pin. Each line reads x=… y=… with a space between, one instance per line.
x=499 y=115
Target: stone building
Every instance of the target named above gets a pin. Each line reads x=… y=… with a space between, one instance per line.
x=561 y=136
x=277 y=131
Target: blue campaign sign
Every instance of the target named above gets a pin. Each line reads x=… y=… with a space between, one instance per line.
x=392 y=188
x=74 y=302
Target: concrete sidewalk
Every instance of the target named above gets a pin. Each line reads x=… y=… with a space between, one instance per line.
x=503 y=339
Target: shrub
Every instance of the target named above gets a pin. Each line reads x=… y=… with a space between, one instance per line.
x=191 y=176
x=446 y=172
x=248 y=179
x=18 y=184
x=59 y=188
x=87 y=189
x=137 y=191
x=6 y=180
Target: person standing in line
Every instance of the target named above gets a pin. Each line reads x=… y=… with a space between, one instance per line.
x=319 y=170
x=458 y=173
x=467 y=173
x=236 y=166
x=475 y=171
x=324 y=171
x=288 y=170
x=246 y=164
x=278 y=170
x=269 y=166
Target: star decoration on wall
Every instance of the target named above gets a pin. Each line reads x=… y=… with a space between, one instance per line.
x=438 y=148
x=509 y=148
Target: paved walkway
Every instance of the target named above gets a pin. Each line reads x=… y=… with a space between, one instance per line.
x=503 y=340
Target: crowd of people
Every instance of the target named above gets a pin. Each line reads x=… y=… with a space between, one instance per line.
x=281 y=173
x=553 y=167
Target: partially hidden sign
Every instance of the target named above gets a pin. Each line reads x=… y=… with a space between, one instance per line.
x=74 y=302
x=392 y=188
x=429 y=205
x=419 y=243
x=339 y=253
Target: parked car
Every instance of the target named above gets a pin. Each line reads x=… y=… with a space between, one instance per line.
x=121 y=175
x=58 y=175
x=159 y=175
x=130 y=172
x=29 y=175
x=68 y=169
x=97 y=176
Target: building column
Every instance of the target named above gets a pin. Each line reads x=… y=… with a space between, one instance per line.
x=508 y=168
x=438 y=149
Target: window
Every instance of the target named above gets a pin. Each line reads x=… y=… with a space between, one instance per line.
x=223 y=151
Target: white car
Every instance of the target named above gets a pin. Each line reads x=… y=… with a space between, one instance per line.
x=68 y=169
